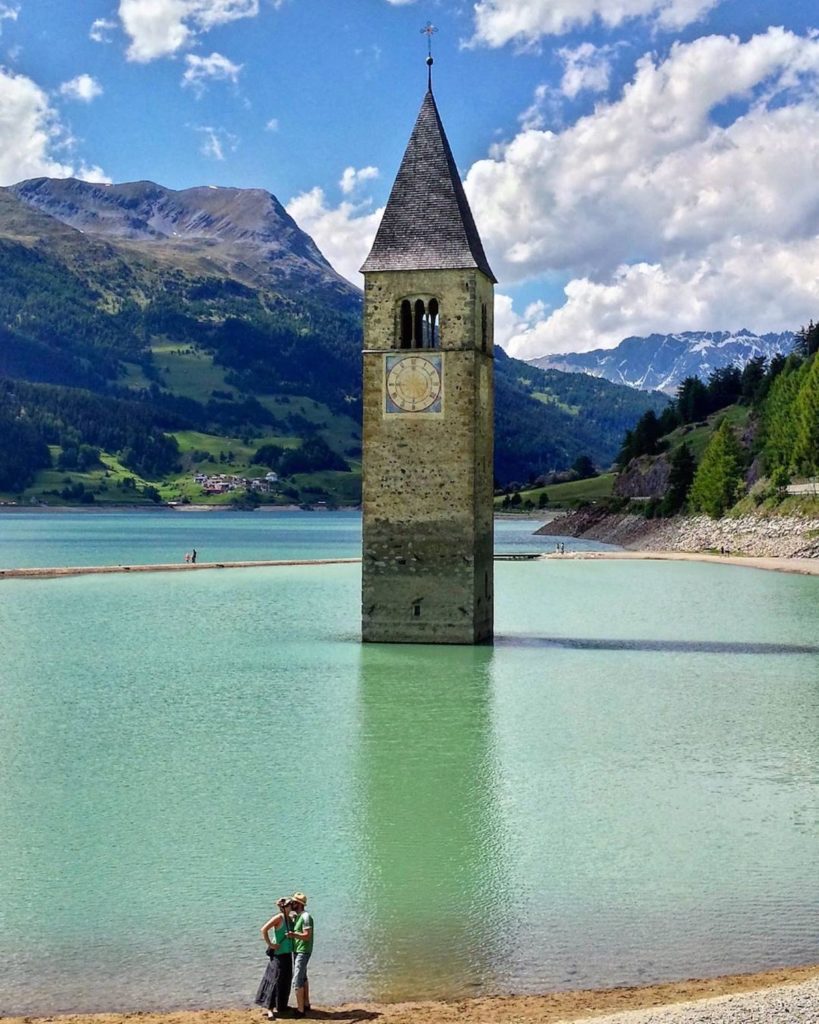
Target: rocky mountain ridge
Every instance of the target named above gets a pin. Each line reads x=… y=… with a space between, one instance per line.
x=213 y=311
x=244 y=233
x=662 y=361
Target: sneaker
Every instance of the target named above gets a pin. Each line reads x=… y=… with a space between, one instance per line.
x=270 y=1015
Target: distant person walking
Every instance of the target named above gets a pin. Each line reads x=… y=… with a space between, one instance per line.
x=302 y=935
x=274 y=988
x=193 y=556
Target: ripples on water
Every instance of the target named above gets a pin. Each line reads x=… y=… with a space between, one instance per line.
x=625 y=788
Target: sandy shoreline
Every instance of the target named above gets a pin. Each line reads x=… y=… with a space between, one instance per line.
x=57 y=571
x=801 y=566
x=538 y=1009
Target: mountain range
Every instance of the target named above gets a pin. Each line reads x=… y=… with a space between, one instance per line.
x=214 y=320
x=245 y=235
x=662 y=361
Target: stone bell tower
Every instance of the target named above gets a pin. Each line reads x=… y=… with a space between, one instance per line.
x=428 y=408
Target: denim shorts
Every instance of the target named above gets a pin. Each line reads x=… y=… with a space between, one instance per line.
x=300 y=970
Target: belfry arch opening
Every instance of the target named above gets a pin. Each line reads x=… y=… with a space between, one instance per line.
x=419 y=324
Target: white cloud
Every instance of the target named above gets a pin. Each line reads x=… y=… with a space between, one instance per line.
x=216 y=142
x=546 y=109
x=215 y=68
x=660 y=217
x=83 y=88
x=272 y=125
x=511 y=327
x=728 y=286
x=587 y=68
x=31 y=134
x=159 y=28
x=352 y=178
x=675 y=14
x=156 y=28
x=344 y=233
x=8 y=12
x=498 y=22
x=654 y=177
x=101 y=29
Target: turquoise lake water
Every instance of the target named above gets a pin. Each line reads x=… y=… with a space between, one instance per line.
x=30 y=539
x=624 y=789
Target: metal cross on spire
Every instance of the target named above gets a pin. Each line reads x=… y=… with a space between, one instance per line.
x=429 y=31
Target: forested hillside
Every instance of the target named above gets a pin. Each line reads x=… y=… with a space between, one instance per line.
x=734 y=443
x=546 y=419
x=738 y=440
x=160 y=350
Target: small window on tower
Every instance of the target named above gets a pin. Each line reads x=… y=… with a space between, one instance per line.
x=405 y=333
x=484 y=327
x=418 y=326
x=431 y=325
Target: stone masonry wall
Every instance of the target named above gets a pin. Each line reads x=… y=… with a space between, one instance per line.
x=427 y=487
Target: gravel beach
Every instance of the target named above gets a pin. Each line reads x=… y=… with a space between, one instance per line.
x=784 y=1004
x=786 y=994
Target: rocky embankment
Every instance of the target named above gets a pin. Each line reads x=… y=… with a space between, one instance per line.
x=772 y=536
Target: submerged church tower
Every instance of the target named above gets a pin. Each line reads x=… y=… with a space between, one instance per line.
x=428 y=408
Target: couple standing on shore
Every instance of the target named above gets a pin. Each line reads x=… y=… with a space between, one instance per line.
x=289 y=951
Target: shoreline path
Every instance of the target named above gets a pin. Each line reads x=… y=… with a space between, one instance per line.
x=802 y=566
x=788 y=994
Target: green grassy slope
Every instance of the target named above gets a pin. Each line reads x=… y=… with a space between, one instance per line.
x=566 y=495
x=238 y=366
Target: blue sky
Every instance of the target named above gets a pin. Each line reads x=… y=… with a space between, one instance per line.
x=633 y=165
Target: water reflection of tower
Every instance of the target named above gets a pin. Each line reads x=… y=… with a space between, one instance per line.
x=431 y=841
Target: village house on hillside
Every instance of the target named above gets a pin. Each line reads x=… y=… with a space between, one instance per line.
x=222 y=483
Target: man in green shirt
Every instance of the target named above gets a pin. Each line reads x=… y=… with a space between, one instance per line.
x=302 y=936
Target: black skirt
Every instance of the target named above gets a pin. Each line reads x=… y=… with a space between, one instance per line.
x=274 y=988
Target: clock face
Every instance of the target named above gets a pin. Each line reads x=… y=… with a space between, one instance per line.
x=414 y=383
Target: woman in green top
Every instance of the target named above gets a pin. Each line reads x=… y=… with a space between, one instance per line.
x=274 y=988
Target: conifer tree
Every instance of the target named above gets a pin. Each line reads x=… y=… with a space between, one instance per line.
x=626 y=453
x=724 y=387
x=807 y=340
x=753 y=379
x=779 y=421
x=681 y=477
x=806 y=414
x=717 y=481
x=812 y=338
x=692 y=400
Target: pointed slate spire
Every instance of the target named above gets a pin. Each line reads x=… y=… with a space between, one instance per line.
x=427 y=224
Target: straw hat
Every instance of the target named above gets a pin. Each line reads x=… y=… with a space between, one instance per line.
x=299 y=897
